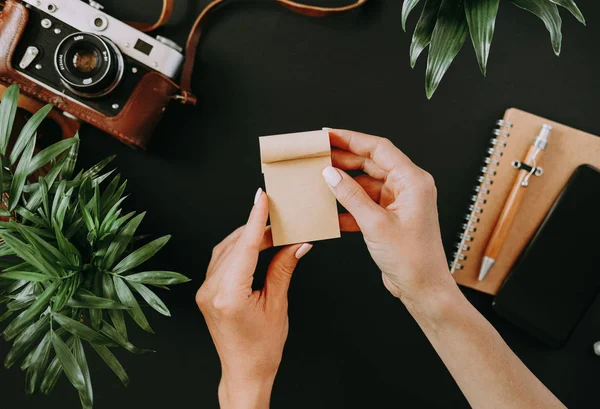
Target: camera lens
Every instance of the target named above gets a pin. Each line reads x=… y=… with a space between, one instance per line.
x=89 y=65
x=85 y=61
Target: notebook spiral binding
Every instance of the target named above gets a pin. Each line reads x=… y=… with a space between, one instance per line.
x=482 y=189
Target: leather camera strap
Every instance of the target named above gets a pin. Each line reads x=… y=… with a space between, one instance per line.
x=186 y=96
x=165 y=15
x=196 y=32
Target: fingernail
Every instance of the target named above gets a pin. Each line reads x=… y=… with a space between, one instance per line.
x=332 y=176
x=301 y=252
x=257 y=195
x=326 y=129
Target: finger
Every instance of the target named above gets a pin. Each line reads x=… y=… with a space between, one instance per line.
x=224 y=248
x=380 y=150
x=372 y=186
x=252 y=235
x=350 y=161
x=279 y=273
x=352 y=196
x=348 y=223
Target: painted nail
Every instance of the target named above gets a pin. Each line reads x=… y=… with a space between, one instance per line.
x=332 y=176
x=301 y=252
x=257 y=195
x=596 y=345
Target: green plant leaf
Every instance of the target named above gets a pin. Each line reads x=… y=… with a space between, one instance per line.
x=60 y=206
x=21 y=303
x=27 y=362
x=96 y=206
x=48 y=251
x=572 y=7
x=71 y=160
x=97 y=168
x=424 y=29
x=51 y=376
x=80 y=330
x=116 y=316
x=113 y=334
x=38 y=363
x=151 y=298
x=20 y=176
x=27 y=134
x=448 y=37
x=67 y=248
x=548 y=13
x=27 y=215
x=99 y=179
x=28 y=254
x=96 y=308
x=87 y=216
x=140 y=255
x=25 y=342
x=6 y=315
x=112 y=362
x=158 y=278
x=50 y=153
x=86 y=395
x=127 y=298
x=26 y=317
x=481 y=17
x=119 y=222
x=407 y=7
x=81 y=300
x=8 y=110
x=26 y=276
x=111 y=217
x=68 y=362
x=36 y=198
x=121 y=241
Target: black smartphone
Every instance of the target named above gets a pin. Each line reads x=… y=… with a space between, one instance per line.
x=557 y=276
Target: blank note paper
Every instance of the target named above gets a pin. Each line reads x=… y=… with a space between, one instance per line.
x=301 y=206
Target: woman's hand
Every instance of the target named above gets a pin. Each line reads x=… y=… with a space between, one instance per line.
x=249 y=328
x=395 y=207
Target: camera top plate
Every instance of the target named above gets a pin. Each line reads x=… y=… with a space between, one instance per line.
x=147 y=50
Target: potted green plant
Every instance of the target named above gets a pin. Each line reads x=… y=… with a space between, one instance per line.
x=69 y=272
x=445 y=24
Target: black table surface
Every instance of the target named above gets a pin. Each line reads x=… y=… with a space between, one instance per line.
x=263 y=70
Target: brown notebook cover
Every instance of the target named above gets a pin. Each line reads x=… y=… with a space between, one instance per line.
x=567 y=149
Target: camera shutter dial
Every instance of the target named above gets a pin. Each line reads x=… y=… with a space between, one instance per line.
x=89 y=65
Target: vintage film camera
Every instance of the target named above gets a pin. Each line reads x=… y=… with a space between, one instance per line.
x=75 y=49
x=90 y=65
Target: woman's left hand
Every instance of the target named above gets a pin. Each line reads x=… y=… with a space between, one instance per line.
x=249 y=328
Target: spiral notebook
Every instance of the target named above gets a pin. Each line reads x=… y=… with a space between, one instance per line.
x=568 y=148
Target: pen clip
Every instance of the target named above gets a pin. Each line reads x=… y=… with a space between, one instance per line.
x=531 y=170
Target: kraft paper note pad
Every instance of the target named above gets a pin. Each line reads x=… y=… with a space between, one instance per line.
x=301 y=206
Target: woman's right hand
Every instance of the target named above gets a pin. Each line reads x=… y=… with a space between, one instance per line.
x=394 y=205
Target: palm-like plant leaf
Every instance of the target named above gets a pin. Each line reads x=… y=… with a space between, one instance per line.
x=407 y=7
x=448 y=37
x=548 y=13
x=481 y=16
x=444 y=24
x=422 y=35
x=8 y=110
x=572 y=7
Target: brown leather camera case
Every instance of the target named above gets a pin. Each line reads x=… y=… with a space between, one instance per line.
x=133 y=125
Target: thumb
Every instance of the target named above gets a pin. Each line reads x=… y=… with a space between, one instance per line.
x=279 y=273
x=352 y=196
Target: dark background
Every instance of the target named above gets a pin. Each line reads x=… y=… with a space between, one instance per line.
x=262 y=70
